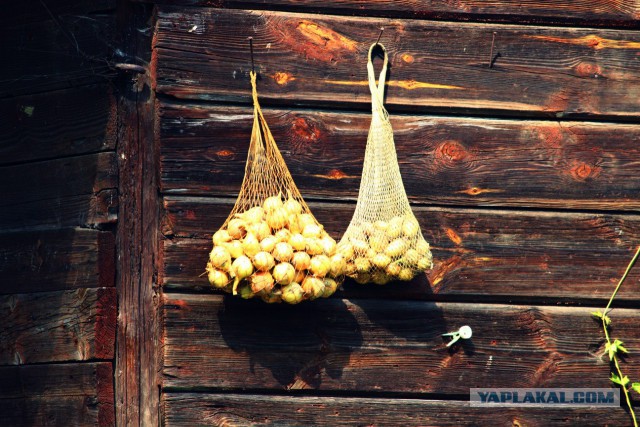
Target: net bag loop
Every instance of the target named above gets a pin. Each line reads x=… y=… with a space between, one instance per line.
x=271 y=246
x=383 y=241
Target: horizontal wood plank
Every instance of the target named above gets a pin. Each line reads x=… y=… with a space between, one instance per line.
x=70 y=394
x=457 y=161
x=309 y=59
x=57 y=124
x=68 y=51
x=56 y=260
x=69 y=191
x=256 y=410
x=214 y=342
x=60 y=326
x=596 y=13
x=477 y=253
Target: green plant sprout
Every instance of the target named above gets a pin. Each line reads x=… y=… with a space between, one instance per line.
x=615 y=348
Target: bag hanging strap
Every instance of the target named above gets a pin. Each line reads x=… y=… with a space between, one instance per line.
x=377 y=92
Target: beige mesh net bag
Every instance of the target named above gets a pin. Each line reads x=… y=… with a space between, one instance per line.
x=383 y=241
x=271 y=246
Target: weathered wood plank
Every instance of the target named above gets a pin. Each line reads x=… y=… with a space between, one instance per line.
x=70 y=394
x=215 y=342
x=306 y=59
x=70 y=51
x=58 y=326
x=57 y=124
x=477 y=253
x=62 y=192
x=138 y=357
x=595 y=13
x=56 y=259
x=443 y=160
x=256 y=410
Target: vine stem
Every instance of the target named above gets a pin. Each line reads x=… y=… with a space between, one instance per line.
x=606 y=334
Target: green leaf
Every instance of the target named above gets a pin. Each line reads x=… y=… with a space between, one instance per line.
x=636 y=387
x=606 y=319
x=597 y=314
x=619 y=346
x=621 y=381
x=612 y=349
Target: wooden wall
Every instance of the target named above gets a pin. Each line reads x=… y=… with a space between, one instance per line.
x=58 y=181
x=522 y=167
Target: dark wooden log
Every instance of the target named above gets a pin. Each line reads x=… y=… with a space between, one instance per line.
x=57 y=124
x=63 y=192
x=68 y=51
x=506 y=255
x=138 y=358
x=55 y=260
x=69 y=394
x=607 y=13
x=58 y=326
x=321 y=60
x=375 y=346
x=256 y=410
x=458 y=161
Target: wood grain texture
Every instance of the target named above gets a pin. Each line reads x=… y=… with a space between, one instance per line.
x=70 y=51
x=69 y=394
x=383 y=346
x=306 y=59
x=56 y=259
x=69 y=191
x=256 y=410
x=59 y=326
x=457 y=161
x=560 y=12
x=137 y=356
x=492 y=254
x=57 y=124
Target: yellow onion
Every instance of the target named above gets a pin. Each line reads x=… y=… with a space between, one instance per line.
x=330 y=286
x=306 y=219
x=272 y=203
x=220 y=258
x=406 y=274
x=263 y=261
x=422 y=247
x=410 y=227
x=396 y=248
x=370 y=253
x=362 y=265
x=313 y=287
x=292 y=293
x=235 y=248
x=261 y=230
x=320 y=265
x=237 y=228
x=394 y=229
x=301 y=261
x=424 y=263
x=292 y=206
x=245 y=292
x=394 y=269
x=378 y=241
x=312 y=230
x=283 y=252
x=345 y=249
x=220 y=237
x=367 y=228
x=338 y=265
x=362 y=278
x=268 y=243
x=298 y=242
x=328 y=245
x=277 y=219
x=359 y=246
x=253 y=215
x=313 y=246
x=250 y=245
x=260 y=281
x=218 y=278
x=380 y=278
x=300 y=275
x=283 y=235
x=293 y=224
x=284 y=273
x=381 y=225
x=411 y=257
x=271 y=297
x=240 y=268
x=381 y=261
x=350 y=269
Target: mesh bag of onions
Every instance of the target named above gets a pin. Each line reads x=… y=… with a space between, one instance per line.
x=271 y=246
x=383 y=241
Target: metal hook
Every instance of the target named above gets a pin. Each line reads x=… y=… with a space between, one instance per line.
x=253 y=68
x=380 y=35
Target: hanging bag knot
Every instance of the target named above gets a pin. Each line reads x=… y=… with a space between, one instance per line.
x=383 y=241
